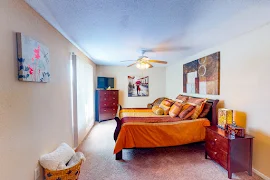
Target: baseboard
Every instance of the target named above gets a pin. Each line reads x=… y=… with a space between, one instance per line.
x=75 y=148
x=260 y=174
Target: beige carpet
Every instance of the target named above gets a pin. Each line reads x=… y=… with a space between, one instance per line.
x=183 y=162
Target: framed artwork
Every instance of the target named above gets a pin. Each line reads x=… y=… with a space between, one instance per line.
x=202 y=76
x=138 y=86
x=33 y=60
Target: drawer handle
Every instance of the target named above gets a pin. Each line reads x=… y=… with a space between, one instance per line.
x=113 y=114
x=215 y=139
x=105 y=110
x=105 y=99
x=113 y=103
x=215 y=153
x=113 y=98
x=114 y=109
x=105 y=104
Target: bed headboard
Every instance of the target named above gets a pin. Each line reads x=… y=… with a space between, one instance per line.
x=212 y=115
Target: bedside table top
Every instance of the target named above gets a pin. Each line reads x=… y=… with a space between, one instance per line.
x=226 y=135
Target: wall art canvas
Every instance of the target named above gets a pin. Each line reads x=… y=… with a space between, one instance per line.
x=33 y=59
x=138 y=86
x=202 y=76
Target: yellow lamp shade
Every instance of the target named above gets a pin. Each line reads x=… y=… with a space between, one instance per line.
x=225 y=116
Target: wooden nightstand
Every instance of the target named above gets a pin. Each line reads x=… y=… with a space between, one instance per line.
x=235 y=155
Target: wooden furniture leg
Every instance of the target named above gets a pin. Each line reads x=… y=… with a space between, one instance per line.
x=118 y=156
x=229 y=174
x=250 y=159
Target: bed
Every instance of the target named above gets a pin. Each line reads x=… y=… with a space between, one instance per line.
x=140 y=128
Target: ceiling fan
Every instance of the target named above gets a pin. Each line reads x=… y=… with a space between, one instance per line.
x=143 y=62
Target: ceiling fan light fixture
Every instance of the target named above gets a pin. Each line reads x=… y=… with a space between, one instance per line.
x=138 y=65
x=142 y=65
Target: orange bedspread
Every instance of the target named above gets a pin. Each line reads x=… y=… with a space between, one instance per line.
x=138 y=134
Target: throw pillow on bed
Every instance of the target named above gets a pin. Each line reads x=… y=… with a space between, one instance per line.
x=167 y=102
x=157 y=110
x=199 y=105
x=165 y=108
x=175 y=109
x=180 y=98
x=166 y=105
x=187 y=111
x=205 y=110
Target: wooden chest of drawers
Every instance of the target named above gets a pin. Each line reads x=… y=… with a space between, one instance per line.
x=235 y=155
x=106 y=104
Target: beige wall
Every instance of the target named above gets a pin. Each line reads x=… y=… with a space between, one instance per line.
x=156 y=83
x=244 y=86
x=34 y=117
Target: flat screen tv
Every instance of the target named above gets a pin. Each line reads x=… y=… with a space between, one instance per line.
x=105 y=82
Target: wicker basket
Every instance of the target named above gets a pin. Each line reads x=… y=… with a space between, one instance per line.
x=66 y=174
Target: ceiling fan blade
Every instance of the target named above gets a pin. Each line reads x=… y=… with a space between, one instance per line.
x=128 y=60
x=131 y=64
x=157 y=61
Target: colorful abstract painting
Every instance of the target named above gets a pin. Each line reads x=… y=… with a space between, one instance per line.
x=202 y=76
x=138 y=86
x=33 y=60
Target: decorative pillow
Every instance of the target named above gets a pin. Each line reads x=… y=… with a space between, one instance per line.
x=199 y=103
x=167 y=102
x=157 y=110
x=158 y=101
x=205 y=110
x=57 y=158
x=187 y=111
x=175 y=109
x=165 y=108
x=180 y=98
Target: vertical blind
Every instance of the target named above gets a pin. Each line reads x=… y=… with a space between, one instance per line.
x=83 y=98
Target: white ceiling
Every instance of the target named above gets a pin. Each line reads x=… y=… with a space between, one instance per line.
x=110 y=31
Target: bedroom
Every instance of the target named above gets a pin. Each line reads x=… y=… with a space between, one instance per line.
x=244 y=81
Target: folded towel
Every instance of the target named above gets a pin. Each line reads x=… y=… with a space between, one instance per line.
x=76 y=159
x=58 y=158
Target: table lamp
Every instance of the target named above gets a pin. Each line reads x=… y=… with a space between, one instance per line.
x=225 y=117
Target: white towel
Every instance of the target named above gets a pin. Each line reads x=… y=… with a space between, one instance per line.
x=76 y=158
x=58 y=158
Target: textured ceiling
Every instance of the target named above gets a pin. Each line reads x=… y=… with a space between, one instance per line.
x=109 y=31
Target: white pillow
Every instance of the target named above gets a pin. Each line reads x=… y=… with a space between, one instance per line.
x=76 y=159
x=57 y=158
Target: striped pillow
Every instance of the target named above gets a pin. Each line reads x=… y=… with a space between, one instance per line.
x=205 y=110
x=199 y=105
x=187 y=111
x=181 y=98
x=165 y=108
x=167 y=102
x=175 y=109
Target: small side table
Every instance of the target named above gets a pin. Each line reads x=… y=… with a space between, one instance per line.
x=235 y=155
